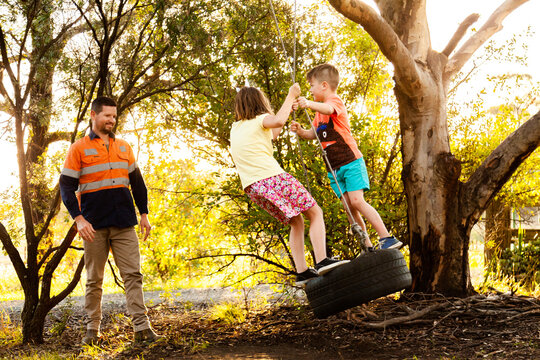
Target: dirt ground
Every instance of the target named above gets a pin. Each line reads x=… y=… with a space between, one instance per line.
x=494 y=326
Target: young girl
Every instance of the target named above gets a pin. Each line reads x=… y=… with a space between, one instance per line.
x=268 y=185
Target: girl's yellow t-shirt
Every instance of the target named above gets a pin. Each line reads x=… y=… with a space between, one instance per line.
x=252 y=151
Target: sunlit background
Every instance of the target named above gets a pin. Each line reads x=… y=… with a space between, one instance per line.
x=444 y=18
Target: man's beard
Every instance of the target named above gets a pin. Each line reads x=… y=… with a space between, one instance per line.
x=105 y=130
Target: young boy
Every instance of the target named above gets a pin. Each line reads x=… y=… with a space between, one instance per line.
x=332 y=125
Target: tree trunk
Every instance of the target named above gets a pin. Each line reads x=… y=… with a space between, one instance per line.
x=438 y=244
x=497 y=234
x=43 y=58
x=33 y=321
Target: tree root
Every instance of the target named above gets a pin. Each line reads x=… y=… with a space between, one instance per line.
x=436 y=309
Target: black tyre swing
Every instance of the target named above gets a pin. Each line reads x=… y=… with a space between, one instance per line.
x=373 y=274
x=368 y=277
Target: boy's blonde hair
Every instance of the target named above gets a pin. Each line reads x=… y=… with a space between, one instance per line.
x=325 y=72
x=250 y=102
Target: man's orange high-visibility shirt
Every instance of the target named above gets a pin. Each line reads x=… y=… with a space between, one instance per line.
x=102 y=176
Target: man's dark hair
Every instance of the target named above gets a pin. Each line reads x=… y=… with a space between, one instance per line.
x=100 y=102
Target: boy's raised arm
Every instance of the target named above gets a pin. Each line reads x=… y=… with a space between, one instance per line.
x=303 y=133
x=320 y=107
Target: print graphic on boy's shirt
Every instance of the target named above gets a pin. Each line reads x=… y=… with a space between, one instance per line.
x=338 y=151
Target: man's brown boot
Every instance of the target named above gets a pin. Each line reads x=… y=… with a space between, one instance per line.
x=91 y=337
x=146 y=336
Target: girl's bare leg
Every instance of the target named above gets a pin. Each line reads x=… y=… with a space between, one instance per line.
x=317 y=232
x=296 y=243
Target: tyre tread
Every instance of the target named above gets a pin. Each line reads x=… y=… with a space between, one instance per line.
x=368 y=277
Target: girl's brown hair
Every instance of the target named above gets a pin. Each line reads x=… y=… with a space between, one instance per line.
x=250 y=102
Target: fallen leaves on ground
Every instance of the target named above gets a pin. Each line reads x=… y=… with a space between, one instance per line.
x=494 y=326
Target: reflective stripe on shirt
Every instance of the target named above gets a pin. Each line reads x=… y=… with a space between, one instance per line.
x=103 y=183
x=71 y=173
x=132 y=167
x=104 y=167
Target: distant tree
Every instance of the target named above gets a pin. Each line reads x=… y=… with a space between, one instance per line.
x=183 y=226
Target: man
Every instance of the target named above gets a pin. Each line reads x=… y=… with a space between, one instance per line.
x=100 y=168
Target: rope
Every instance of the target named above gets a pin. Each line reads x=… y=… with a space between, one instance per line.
x=294 y=44
x=292 y=70
x=355 y=227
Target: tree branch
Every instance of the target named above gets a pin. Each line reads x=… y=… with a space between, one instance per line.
x=92 y=29
x=30 y=17
x=61 y=40
x=45 y=300
x=8 y=105
x=492 y=26
x=498 y=167
x=393 y=154
x=135 y=77
x=248 y=276
x=7 y=65
x=57 y=136
x=390 y=44
x=116 y=279
x=460 y=32
x=258 y=257
x=13 y=254
x=55 y=300
x=52 y=212
x=26 y=202
x=51 y=250
x=55 y=260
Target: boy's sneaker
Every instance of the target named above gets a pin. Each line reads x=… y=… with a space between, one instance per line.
x=304 y=277
x=329 y=264
x=390 y=243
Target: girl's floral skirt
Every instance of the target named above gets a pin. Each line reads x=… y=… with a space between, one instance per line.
x=282 y=196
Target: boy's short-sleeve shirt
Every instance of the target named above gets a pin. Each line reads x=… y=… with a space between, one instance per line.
x=252 y=151
x=334 y=132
